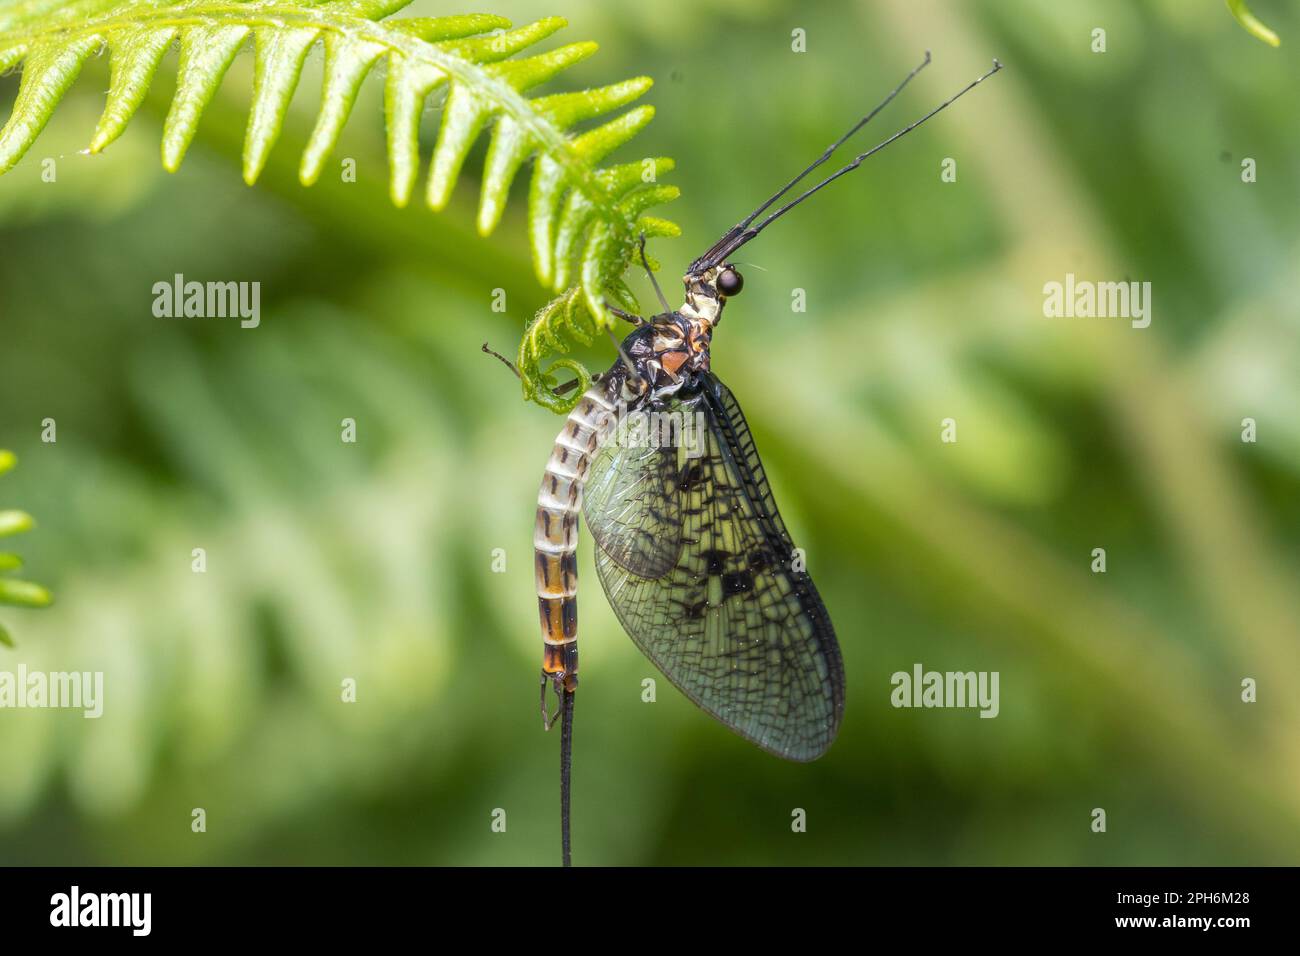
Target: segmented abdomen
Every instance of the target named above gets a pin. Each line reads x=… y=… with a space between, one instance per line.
x=555 y=536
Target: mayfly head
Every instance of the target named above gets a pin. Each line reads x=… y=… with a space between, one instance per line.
x=707 y=292
x=711 y=278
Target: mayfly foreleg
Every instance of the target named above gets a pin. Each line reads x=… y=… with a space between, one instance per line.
x=560 y=389
x=502 y=359
x=645 y=263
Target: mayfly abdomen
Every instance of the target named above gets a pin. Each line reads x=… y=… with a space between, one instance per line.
x=555 y=537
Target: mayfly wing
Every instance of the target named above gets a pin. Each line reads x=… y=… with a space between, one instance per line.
x=734 y=622
x=631 y=503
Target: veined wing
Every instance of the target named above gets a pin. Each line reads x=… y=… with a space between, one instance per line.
x=631 y=502
x=734 y=623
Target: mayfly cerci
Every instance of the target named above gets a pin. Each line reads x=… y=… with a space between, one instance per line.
x=690 y=548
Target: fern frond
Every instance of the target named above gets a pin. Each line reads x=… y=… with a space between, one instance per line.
x=583 y=219
x=560 y=323
x=22 y=593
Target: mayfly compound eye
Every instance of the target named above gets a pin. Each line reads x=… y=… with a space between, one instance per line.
x=730 y=282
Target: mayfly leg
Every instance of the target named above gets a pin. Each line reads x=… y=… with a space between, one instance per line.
x=632 y=374
x=558 y=390
x=548 y=719
x=645 y=262
x=625 y=315
x=502 y=359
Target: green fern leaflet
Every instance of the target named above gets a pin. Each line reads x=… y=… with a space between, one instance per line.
x=21 y=593
x=584 y=219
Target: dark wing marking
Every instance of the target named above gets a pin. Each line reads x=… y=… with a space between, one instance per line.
x=733 y=624
x=631 y=504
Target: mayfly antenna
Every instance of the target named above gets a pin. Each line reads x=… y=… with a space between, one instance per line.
x=744 y=231
x=877 y=148
x=837 y=144
x=740 y=227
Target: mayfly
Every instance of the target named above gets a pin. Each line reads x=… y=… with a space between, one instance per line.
x=690 y=548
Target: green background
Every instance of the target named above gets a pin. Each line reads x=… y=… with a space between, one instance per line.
x=924 y=301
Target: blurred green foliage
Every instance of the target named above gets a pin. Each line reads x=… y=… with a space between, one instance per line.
x=374 y=560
